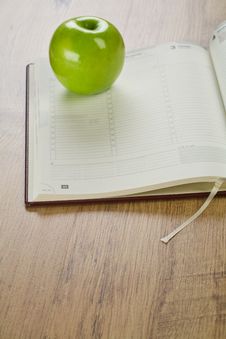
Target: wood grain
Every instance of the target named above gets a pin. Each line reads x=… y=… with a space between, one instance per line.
x=100 y=271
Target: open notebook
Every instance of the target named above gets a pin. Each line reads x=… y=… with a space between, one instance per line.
x=160 y=130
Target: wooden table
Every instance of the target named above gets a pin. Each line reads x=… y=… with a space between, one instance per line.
x=100 y=271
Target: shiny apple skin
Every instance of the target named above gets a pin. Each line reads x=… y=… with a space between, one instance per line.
x=87 y=54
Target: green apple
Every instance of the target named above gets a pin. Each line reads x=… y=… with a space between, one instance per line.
x=87 y=54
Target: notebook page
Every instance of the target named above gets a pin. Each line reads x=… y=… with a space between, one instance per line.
x=180 y=103
x=217 y=48
x=160 y=124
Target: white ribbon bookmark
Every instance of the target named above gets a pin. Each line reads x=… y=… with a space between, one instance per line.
x=212 y=194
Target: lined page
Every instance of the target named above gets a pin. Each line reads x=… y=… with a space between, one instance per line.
x=161 y=123
x=217 y=48
x=179 y=99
